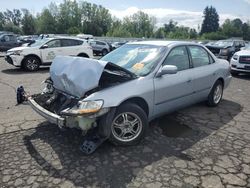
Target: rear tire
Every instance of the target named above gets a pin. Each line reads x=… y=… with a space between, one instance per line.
x=215 y=94
x=129 y=125
x=31 y=63
x=104 y=52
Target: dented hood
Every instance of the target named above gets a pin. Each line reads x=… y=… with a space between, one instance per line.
x=76 y=75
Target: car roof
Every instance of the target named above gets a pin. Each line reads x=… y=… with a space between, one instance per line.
x=162 y=42
x=63 y=37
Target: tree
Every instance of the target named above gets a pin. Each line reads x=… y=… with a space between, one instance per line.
x=160 y=33
x=28 y=23
x=2 y=20
x=73 y=30
x=211 y=20
x=13 y=17
x=46 y=22
x=170 y=26
x=140 y=24
x=232 y=28
x=96 y=20
x=12 y=28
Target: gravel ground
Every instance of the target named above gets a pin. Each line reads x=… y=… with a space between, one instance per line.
x=194 y=147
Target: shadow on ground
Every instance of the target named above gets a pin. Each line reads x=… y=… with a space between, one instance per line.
x=116 y=166
x=243 y=76
x=15 y=71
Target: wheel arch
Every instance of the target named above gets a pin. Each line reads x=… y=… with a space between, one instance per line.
x=82 y=54
x=31 y=55
x=222 y=80
x=139 y=101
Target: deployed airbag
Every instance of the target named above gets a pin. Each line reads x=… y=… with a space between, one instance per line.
x=76 y=75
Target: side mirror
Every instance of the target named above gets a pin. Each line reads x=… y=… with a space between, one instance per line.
x=167 y=69
x=44 y=46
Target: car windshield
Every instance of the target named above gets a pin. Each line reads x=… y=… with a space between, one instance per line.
x=224 y=43
x=39 y=42
x=247 y=47
x=136 y=58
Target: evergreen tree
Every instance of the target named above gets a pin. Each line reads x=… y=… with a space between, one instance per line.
x=210 y=21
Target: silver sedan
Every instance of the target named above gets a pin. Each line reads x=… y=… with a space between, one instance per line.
x=139 y=82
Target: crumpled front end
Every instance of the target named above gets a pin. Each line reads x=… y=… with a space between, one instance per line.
x=72 y=80
x=65 y=110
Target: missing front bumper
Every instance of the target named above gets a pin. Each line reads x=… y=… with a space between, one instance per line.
x=51 y=117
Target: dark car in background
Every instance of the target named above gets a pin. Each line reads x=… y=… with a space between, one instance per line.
x=225 y=49
x=8 y=41
x=29 y=39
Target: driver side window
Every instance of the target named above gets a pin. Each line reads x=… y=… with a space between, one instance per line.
x=178 y=57
x=54 y=44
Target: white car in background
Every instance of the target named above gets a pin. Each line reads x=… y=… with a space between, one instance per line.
x=43 y=51
x=240 y=62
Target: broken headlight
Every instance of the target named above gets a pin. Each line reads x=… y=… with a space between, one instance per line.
x=86 y=108
x=47 y=86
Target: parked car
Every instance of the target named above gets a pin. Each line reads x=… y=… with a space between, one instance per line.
x=100 y=47
x=8 y=41
x=129 y=87
x=240 y=63
x=27 y=39
x=117 y=44
x=43 y=51
x=225 y=49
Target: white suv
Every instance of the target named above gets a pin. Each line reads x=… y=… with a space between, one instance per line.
x=240 y=62
x=42 y=52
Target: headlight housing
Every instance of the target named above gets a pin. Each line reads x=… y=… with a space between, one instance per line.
x=235 y=57
x=85 y=108
x=17 y=52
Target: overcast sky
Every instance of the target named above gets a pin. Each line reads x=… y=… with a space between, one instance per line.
x=185 y=12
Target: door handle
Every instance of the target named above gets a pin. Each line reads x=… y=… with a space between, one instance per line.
x=189 y=81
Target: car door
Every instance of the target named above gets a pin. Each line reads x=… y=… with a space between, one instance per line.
x=50 y=50
x=173 y=91
x=204 y=71
x=71 y=47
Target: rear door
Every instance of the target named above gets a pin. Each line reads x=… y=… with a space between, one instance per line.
x=204 y=71
x=71 y=47
x=54 y=48
x=173 y=91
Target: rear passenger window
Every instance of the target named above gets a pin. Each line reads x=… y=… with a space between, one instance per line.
x=54 y=44
x=100 y=43
x=70 y=42
x=178 y=57
x=199 y=56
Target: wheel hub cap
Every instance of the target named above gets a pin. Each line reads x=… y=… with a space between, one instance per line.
x=126 y=127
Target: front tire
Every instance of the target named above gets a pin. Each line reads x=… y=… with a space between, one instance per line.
x=215 y=94
x=129 y=125
x=31 y=63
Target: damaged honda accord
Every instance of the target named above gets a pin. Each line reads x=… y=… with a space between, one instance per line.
x=117 y=96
